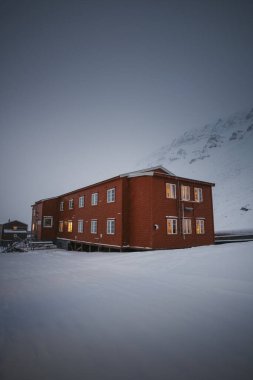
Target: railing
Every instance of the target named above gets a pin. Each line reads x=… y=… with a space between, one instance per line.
x=41 y=245
x=232 y=238
x=18 y=245
x=24 y=245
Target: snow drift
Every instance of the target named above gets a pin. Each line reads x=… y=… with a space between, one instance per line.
x=221 y=152
x=179 y=314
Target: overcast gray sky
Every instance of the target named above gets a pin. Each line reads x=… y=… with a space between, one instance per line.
x=88 y=88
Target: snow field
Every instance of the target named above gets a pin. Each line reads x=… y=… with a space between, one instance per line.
x=179 y=314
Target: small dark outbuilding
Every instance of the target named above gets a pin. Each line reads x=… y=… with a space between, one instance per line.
x=13 y=230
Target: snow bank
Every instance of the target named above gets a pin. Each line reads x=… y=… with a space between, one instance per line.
x=179 y=314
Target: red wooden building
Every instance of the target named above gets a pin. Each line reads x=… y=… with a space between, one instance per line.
x=146 y=209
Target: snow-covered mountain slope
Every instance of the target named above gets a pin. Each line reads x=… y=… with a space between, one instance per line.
x=222 y=153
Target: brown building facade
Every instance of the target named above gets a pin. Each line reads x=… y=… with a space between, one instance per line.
x=147 y=209
x=12 y=231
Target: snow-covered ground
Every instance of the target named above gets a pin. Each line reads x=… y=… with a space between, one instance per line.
x=179 y=314
x=219 y=152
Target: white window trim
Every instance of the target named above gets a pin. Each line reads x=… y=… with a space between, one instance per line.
x=71 y=204
x=68 y=223
x=200 y=194
x=61 y=206
x=183 y=198
x=173 y=192
x=109 y=229
x=81 y=201
x=111 y=195
x=201 y=221
x=60 y=224
x=47 y=217
x=172 y=220
x=93 y=223
x=184 y=222
x=80 y=226
x=94 y=199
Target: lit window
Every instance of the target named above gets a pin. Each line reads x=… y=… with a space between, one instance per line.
x=94 y=199
x=81 y=201
x=170 y=190
x=71 y=204
x=187 y=226
x=198 y=194
x=70 y=225
x=60 y=226
x=93 y=226
x=200 y=226
x=110 y=226
x=185 y=193
x=171 y=226
x=80 y=226
x=61 y=206
x=48 y=221
x=111 y=195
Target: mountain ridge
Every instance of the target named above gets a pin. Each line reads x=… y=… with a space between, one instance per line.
x=219 y=152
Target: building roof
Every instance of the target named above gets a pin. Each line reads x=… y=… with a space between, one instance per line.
x=161 y=171
x=147 y=172
x=157 y=170
x=14 y=222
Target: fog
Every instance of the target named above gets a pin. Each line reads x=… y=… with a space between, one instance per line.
x=89 y=88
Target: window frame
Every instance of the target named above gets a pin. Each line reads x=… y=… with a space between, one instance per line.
x=169 y=191
x=60 y=226
x=70 y=223
x=80 y=226
x=71 y=204
x=172 y=220
x=201 y=223
x=94 y=226
x=49 y=218
x=62 y=206
x=94 y=199
x=198 y=194
x=111 y=195
x=186 y=223
x=184 y=193
x=81 y=201
x=110 y=226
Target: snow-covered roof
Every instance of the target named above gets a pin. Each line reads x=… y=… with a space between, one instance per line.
x=8 y=231
x=142 y=172
x=147 y=172
x=43 y=200
x=156 y=170
x=13 y=222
